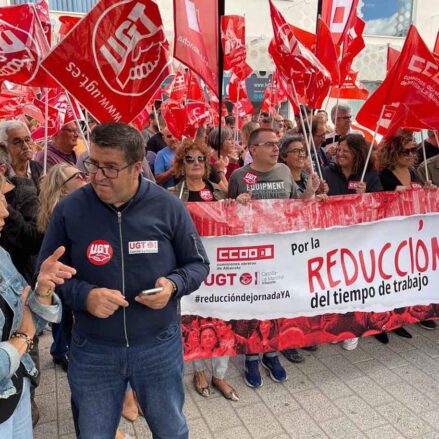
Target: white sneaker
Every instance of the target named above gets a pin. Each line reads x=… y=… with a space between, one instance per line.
x=350 y=344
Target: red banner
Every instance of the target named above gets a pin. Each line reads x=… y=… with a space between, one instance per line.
x=196 y=41
x=114 y=60
x=262 y=217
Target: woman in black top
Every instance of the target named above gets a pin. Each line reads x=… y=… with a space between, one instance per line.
x=343 y=177
x=397 y=159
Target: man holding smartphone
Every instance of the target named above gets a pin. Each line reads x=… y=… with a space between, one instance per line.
x=124 y=235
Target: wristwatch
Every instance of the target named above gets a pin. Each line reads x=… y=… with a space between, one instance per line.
x=48 y=293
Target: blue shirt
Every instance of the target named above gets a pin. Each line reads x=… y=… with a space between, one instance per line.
x=163 y=162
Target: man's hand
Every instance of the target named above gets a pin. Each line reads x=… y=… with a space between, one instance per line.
x=53 y=272
x=158 y=300
x=103 y=302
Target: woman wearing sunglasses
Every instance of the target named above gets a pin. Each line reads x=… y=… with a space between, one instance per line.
x=192 y=167
x=397 y=158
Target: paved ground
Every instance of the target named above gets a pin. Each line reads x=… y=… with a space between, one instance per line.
x=375 y=392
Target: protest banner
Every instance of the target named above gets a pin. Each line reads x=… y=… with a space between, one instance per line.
x=325 y=272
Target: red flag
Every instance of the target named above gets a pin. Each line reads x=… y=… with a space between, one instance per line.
x=353 y=44
x=67 y=24
x=352 y=88
x=243 y=107
x=295 y=63
x=42 y=8
x=141 y=120
x=237 y=89
x=412 y=81
x=196 y=42
x=197 y=114
x=194 y=89
x=174 y=114
x=392 y=57
x=339 y=15
x=54 y=122
x=114 y=60
x=326 y=51
x=233 y=41
x=308 y=39
x=22 y=44
x=179 y=88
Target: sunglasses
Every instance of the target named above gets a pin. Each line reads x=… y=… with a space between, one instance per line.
x=76 y=176
x=190 y=159
x=409 y=151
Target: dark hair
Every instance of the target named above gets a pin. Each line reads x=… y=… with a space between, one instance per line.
x=304 y=110
x=390 y=151
x=315 y=124
x=120 y=136
x=214 y=137
x=254 y=136
x=266 y=117
x=358 y=146
x=286 y=141
x=230 y=120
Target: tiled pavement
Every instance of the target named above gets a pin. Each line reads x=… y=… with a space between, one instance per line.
x=375 y=392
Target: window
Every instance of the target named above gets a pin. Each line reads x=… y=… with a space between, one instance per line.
x=64 y=5
x=389 y=17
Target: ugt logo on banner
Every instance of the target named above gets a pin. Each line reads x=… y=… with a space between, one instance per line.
x=121 y=64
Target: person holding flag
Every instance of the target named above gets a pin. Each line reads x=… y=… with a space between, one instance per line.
x=265 y=178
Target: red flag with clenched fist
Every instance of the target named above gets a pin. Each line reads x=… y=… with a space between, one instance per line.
x=114 y=60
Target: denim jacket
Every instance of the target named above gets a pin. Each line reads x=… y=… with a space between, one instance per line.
x=11 y=287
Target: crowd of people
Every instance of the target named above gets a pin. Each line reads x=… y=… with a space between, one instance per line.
x=105 y=223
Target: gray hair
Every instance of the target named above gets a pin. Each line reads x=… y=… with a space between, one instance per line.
x=10 y=125
x=4 y=155
x=339 y=109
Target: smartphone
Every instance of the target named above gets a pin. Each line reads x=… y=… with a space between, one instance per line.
x=151 y=291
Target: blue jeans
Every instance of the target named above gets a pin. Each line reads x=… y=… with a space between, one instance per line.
x=98 y=377
x=19 y=425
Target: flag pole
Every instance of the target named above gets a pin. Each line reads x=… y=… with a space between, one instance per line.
x=77 y=122
x=313 y=171
x=46 y=131
x=221 y=12
x=424 y=154
x=369 y=153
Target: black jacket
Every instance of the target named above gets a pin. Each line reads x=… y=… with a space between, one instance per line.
x=339 y=184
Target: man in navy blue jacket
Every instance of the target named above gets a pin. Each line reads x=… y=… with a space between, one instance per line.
x=124 y=234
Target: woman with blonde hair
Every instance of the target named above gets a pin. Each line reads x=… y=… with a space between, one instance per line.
x=191 y=165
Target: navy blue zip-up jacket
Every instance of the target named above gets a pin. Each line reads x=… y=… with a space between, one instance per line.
x=152 y=236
